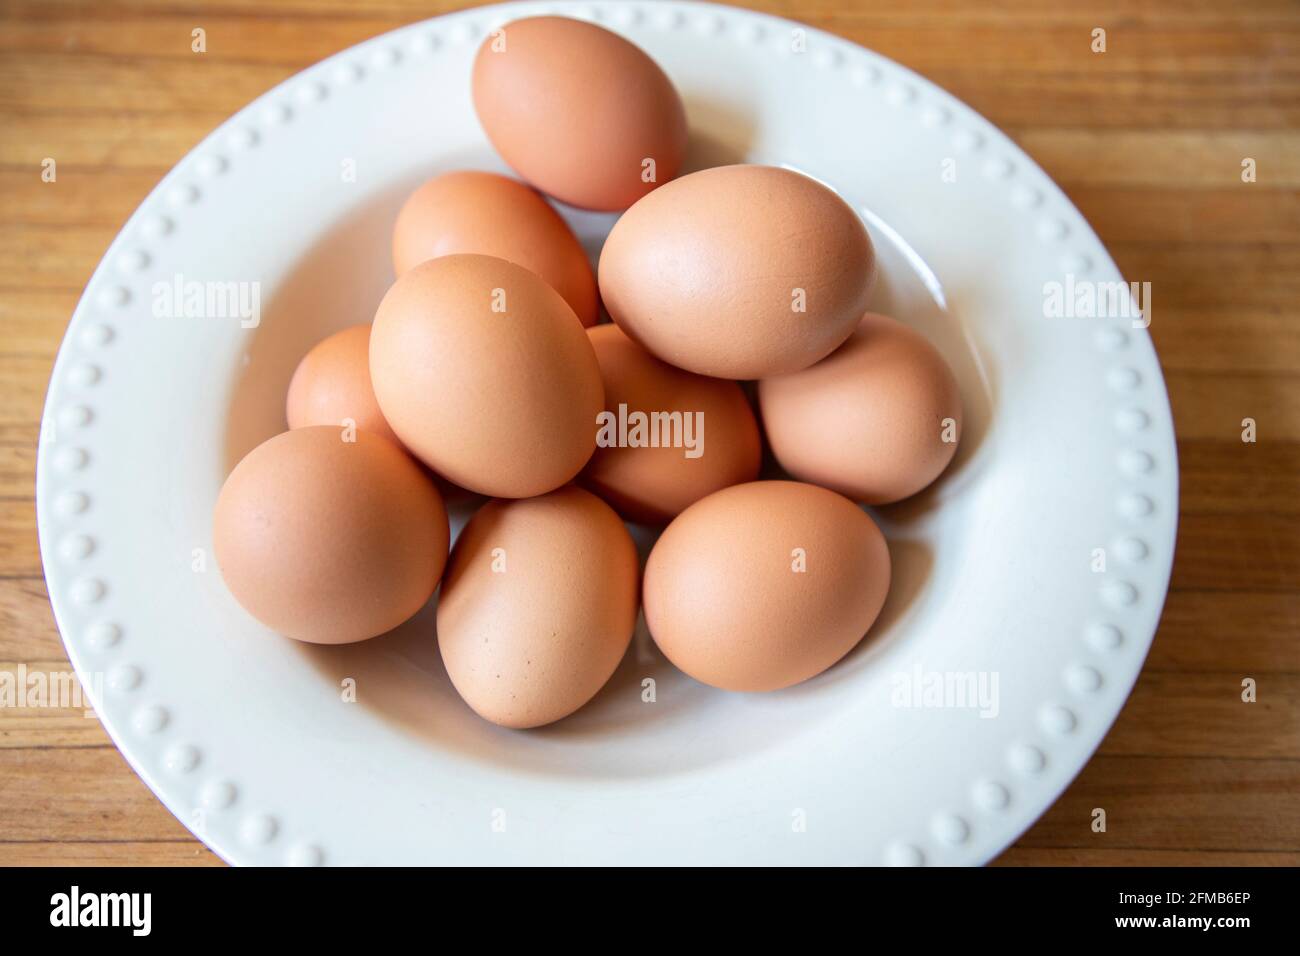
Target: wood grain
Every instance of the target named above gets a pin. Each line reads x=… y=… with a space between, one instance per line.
x=1147 y=139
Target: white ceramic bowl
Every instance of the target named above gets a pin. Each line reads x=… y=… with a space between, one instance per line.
x=252 y=740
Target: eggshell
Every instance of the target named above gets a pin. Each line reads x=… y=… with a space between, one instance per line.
x=653 y=484
x=332 y=385
x=538 y=606
x=711 y=271
x=472 y=211
x=329 y=541
x=869 y=421
x=503 y=403
x=725 y=599
x=578 y=111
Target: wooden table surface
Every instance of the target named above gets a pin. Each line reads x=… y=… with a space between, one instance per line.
x=1147 y=138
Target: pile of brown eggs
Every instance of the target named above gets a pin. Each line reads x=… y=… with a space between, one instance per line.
x=487 y=372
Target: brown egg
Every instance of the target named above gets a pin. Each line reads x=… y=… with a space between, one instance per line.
x=329 y=541
x=877 y=420
x=538 y=606
x=331 y=385
x=668 y=437
x=763 y=585
x=486 y=375
x=738 y=271
x=578 y=111
x=473 y=211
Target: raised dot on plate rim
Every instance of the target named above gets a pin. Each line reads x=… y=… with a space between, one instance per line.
x=1027 y=197
x=183 y=194
x=133 y=260
x=75 y=416
x=71 y=459
x=1083 y=679
x=1132 y=419
x=904 y=854
x=156 y=226
x=936 y=116
x=96 y=334
x=72 y=502
x=114 y=296
x=124 y=677
x=218 y=794
x=103 y=634
x=1111 y=338
x=1136 y=506
x=181 y=758
x=1135 y=461
x=305 y=854
x=709 y=24
x=150 y=719
x=827 y=58
x=1119 y=593
x=998 y=167
x=84 y=375
x=1026 y=758
x=1124 y=378
x=991 y=795
x=966 y=140
x=76 y=547
x=88 y=590
x=1053 y=229
x=242 y=138
x=901 y=94
x=950 y=828
x=274 y=114
x=259 y=828
x=1132 y=549
x=1104 y=637
x=346 y=73
x=211 y=164
x=1057 y=719
x=628 y=14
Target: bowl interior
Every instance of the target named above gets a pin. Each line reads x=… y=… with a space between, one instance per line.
x=632 y=727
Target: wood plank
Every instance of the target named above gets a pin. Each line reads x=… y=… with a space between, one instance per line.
x=38 y=82
x=1243 y=632
x=47 y=798
x=954 y=13
x=1181 y=215
x=1162 y=158
x=18 y=460
x=94 y=139
x=27 y=631
x=1034 y=48
x=1203 y=715
x=1177 y=803
x=1233 y=478
x=19 y=548
x=1212 y=405
x=1072 y=856
x=188 y=852
x=1238 y=553
x=1224 y=339
x=52 y=258
x=95 y=197
x=1223 y=273
x=32 y=321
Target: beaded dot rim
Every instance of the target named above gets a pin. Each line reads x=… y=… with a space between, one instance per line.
x=86 y=356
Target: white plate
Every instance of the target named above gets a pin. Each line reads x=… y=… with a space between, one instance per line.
x=246 y=737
